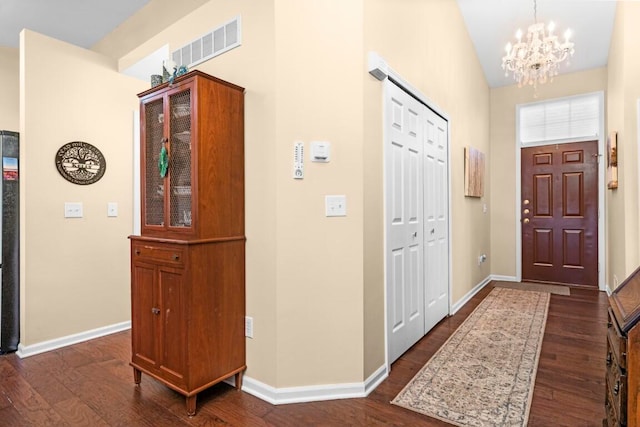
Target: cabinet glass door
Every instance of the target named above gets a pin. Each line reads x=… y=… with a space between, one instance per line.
x=154 y=183
x=180 y=159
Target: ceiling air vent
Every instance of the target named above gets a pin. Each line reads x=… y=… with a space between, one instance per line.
x=216 y=42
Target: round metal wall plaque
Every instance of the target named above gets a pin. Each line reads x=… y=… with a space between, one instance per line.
x=80 y=163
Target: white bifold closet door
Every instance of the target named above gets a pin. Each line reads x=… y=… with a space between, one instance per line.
x=416 y=219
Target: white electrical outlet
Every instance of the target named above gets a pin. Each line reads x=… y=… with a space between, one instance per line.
x=248 y=327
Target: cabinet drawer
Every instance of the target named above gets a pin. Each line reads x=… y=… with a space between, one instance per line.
x=166 y=254
x=617 y=341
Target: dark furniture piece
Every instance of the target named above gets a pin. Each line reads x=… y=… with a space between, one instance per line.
x=622 y=402
x=188 y=264
x=10 y=259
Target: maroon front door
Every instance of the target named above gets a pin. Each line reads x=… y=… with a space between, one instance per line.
x=559 y=213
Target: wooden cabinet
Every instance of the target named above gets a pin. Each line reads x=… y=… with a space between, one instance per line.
x=187 y=266
x=622 y=400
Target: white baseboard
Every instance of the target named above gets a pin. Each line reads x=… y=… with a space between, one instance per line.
x=275 y=396
x=503 y=278
x=458 y=305
x=477 y=288
x=33 y=349
x=280 y=396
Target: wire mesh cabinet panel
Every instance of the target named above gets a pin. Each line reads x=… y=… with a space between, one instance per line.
x=188 y=264
x=192 y=159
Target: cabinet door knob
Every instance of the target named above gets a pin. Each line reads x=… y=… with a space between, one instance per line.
x=137 y=251
x=176 y=257
x=155 y=310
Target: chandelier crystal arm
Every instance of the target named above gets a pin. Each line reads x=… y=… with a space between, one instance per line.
x=537 y=58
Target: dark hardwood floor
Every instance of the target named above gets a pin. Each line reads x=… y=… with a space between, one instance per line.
x=91 y=384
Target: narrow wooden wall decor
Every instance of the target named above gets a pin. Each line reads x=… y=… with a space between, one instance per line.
x=612 y=161
x=473 y=172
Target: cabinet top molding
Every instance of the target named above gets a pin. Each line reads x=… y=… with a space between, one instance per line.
x=185 y=77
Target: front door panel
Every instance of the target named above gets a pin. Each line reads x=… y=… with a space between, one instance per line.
x=559 y=211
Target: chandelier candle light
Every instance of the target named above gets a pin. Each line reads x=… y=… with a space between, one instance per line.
x=536 y=59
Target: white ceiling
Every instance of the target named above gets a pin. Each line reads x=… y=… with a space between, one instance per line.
x=491 y=24
x=79 y=22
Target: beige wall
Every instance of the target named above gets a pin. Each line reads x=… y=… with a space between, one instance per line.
x=315 y=285
x=153 y=18
x=9 y=88
x=316 y=319
x=445 y=69
x=319 y=73
x=304 y=271
x=503 y=155
x=74 y=272
x=623 y=95
x=252 y=66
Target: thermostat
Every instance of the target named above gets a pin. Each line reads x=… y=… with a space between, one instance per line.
x=320 y=151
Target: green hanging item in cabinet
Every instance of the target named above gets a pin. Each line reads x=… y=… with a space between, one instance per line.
x=163 y=161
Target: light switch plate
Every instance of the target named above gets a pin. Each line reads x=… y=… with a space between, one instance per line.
x=73 y=209
x=112 y=209
x=335 y=205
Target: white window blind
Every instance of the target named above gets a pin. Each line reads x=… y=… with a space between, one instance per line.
x=561 y=119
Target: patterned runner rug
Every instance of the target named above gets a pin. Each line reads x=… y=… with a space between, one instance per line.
x=485 y=373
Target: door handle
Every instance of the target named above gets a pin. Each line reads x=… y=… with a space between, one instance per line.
x=525 y=202
x=526 y=211
x=155 y=310
x=526 y=220
x=415 y=234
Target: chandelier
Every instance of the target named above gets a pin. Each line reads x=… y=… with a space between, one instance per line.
x=536 y=59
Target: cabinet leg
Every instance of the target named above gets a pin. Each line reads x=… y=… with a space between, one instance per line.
x=137 y=376
x=239 y=381
x=191 y=405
